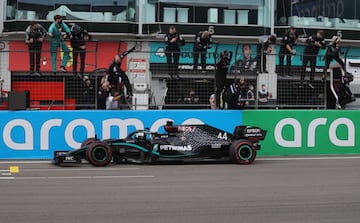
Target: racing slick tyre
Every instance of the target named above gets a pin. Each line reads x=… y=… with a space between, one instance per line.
x=242 y=152
x=99 y=154
x=88 y=141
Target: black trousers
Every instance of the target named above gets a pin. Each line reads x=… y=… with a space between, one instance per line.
x=306 y=59
x=283 y=70
x=199 y=52
x=76 y=52
x=261 y=61
x=35 y=56
x=172 y=58
x=220 y=84
x=328 y=60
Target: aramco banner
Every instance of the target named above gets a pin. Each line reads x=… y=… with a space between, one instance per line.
x=307 y=132
x=37 y=134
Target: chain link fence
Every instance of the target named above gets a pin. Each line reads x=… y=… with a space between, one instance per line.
x=155 y=87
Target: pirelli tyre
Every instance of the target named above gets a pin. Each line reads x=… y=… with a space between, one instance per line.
x=242 y=152
x=88 y=141
x=99 y=154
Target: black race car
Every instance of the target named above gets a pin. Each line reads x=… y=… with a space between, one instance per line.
x=182 y=142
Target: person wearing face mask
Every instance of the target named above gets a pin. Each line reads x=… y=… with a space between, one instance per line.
x=191 y=97
x=57 y=41
x=264 y=95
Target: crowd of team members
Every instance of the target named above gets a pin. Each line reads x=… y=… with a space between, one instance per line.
x=111 y=91
x=112 y=87
x=58 y=32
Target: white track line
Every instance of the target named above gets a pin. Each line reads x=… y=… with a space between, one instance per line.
x=81 y=177
x=64 y=169
x=5 y=174
x=7 y=178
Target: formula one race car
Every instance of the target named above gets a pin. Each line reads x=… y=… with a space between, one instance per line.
x=182 y=142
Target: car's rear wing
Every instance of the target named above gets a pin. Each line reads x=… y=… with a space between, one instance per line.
x=251 y=133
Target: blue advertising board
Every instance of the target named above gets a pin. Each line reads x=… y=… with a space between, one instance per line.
x=37 y=134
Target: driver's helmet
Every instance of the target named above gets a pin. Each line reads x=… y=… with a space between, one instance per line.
x=140 y=135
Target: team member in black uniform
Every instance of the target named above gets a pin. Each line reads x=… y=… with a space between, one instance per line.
x=78 y=37
x=314 y=43
x=88 y=94
x=34 y=37
x=263 y=48
x=237 y=95
x=286 y=50
x=222 y=68
x=203 y=41
x=333 y=52
x=117 y=78
x=173 y=42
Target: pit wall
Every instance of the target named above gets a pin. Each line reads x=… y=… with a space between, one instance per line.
x=36 y=134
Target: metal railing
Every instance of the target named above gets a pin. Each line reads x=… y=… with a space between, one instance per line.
x=153 y=87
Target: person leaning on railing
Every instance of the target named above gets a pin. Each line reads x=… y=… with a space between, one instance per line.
x=314 y=44
x=78 y=37
x=173 y=41
x=287 y=51
x=262 y=49
x=34 y=37
x=203 y=41
x=333 y=52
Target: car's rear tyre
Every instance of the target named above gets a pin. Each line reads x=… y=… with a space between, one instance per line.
x=88 y=141
x=99 y=154
x=242 y=152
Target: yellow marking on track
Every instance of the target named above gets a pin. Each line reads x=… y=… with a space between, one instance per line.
x=14 y=169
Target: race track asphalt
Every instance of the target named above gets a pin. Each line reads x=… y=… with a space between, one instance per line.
x=270 y=190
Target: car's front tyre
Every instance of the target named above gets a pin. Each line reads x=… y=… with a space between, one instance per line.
x=99 y=154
